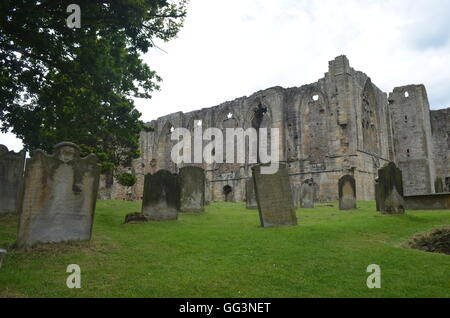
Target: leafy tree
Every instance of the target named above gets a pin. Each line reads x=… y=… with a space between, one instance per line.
x=127 y=179
x=62 y=84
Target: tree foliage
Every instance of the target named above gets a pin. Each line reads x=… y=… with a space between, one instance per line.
x=62 y=84
x=127 y=179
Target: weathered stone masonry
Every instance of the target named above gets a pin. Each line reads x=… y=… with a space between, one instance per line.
x=342 y=124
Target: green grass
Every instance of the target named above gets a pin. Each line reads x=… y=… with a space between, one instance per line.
x=224 y=253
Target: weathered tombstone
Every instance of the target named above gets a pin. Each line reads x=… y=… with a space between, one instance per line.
x=161 y=200
x=307 y=194
x=11 y=178
x=439 y=185
x=192 y=189
x=250 y=195
x=274 y=198
x=58 y=196
x=347 y=193
x=390 y=190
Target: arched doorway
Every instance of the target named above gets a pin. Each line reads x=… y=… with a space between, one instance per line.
x=228 y=192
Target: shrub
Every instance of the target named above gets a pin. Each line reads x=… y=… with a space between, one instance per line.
x=127 y=179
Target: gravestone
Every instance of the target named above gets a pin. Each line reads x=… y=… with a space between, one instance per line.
x=390 y=190
x=274 y=198
x=161 y=200
x=58 y=197
x=347 y=193
x=192 y=189
x=307 y=194
x=11 y=178
x=250 y=195
x=439 y=185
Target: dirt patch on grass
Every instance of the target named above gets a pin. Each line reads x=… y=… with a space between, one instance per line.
x=7 y=293
x=98 y=244
x=435 y=241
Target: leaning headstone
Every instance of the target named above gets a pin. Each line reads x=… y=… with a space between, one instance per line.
x=274 y=198
x=439 y=185
x=347 y=193
x=307 y=194
x=11 y=178
x=161 y=200
x=390 y=190
x=2 y=255
x=250 y=195
x=58 y=197
x=192 y=189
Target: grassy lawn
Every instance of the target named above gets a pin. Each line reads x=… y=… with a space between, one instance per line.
x=224 y=253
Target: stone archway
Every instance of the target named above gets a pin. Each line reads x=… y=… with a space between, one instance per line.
x=228 y=193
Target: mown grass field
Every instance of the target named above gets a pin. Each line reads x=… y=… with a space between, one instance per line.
x=224 y=253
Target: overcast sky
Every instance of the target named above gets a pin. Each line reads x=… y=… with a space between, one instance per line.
x=233 y=48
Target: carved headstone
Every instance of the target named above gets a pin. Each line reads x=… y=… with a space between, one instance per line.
x=11 y=178
x=58 y=198
x=250 y=195
x=192 y=189
x=390 y=190
x=274 y=198
x=161 y=200
x=307 y=194
x=347 y=193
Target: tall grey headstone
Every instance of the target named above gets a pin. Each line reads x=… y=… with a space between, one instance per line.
x=11 y=178
x=347 y=193
x=390 y=190
x=192 y=189
x=274 y=197
x=161 y=200
x=250 y=195
x=307 y=194
x=58 y=197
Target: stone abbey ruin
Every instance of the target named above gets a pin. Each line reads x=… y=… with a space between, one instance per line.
x=341 y=125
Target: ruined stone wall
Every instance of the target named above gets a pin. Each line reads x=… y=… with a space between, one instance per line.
x=413 y=145
x=342 y=124
x=440 y=124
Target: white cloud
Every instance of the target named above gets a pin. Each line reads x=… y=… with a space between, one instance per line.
x=234 y=48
